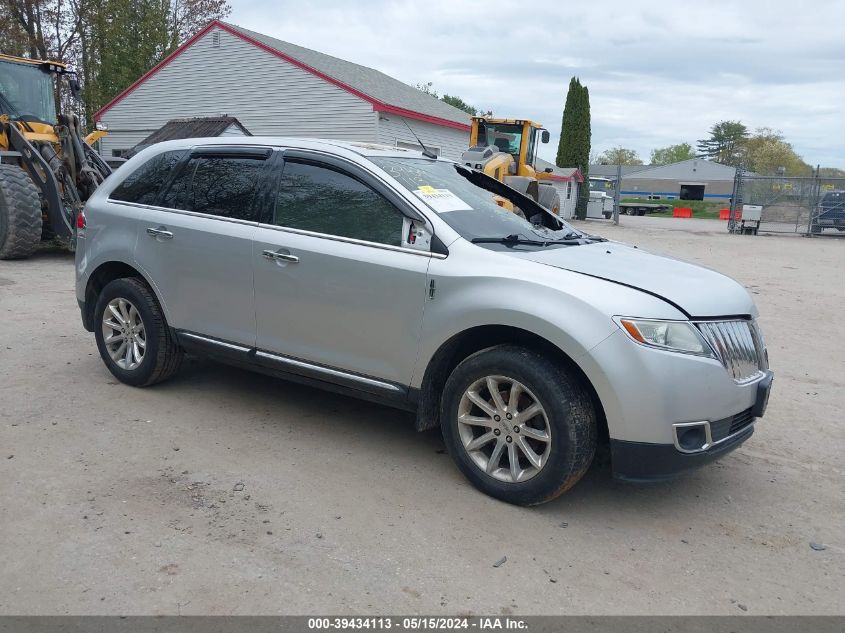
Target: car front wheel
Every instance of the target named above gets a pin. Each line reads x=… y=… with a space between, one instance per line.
x=519 y=426
x=132 y=334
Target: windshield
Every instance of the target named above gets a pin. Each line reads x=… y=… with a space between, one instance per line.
x=26 y=91
x=600 y=184
x=469 y=209
x=506 y=136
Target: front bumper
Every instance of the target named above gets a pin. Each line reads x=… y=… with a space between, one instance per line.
x=644 y=461
x=639 y=461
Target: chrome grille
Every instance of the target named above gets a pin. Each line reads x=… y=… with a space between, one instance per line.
x=739 y=345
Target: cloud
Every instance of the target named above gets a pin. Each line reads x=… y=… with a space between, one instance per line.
x=658 y=74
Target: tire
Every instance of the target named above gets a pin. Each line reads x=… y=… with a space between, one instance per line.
x=161 y=355
x=550 y=198
x=20 y=213
x=555 y=208
x=566 y=418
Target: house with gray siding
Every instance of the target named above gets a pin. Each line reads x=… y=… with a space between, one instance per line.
x=566 y=180
x=276 y=88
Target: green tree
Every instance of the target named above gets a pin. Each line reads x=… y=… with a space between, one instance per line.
x=726 y=143
x=767 y=153
x=452 y=100
x=574 y=146
x=620 y=156
x=672 y=154
x=459 y=103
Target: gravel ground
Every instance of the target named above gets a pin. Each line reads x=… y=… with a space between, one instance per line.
x=227 y=492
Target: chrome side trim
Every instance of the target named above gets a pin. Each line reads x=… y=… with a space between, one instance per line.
x=213 y=341
x=194 y=214
x=294 y=366
x=327 y=373
x=350 y=240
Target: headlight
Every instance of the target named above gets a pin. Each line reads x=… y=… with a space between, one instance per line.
x=676 y=336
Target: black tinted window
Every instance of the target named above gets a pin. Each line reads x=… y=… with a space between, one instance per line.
x=143 y=184
x=223 y=186
x=324 y=200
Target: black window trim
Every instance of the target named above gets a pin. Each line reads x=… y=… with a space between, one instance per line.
x=260 y=201
x=177 y=169
x=356 y=171
x=353 y=170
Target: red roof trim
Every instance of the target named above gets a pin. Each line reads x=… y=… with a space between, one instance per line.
x=378 y=106
x=384 y=107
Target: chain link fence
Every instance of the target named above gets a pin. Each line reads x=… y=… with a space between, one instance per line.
x=806 y=206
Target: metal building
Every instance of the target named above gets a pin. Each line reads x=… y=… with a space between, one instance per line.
x=280 y=89
x=693 y=179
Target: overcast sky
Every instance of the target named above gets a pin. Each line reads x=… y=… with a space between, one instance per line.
x=659 y=72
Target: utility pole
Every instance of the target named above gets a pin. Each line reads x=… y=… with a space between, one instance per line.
x=616 y=194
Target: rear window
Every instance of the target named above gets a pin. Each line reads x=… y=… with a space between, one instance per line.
x=143 y=185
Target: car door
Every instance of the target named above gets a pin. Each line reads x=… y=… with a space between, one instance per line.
x=336 y=284
x=196 y=246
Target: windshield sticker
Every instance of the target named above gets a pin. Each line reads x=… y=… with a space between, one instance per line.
x=441 y=200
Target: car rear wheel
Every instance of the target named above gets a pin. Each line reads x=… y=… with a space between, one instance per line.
x=132 y=334
x=519 y=426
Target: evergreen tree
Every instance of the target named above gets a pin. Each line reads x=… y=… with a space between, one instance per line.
x=583 y=144
x=574 y=146
x=566 y=127
x=726 y=143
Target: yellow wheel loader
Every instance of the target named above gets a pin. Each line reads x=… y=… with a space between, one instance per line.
x=506 y=149
x=47 y=169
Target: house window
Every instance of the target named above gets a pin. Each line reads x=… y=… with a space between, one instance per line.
x=416 y=146
x=569 y=190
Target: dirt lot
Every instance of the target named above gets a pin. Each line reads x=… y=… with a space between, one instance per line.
x=228 y=492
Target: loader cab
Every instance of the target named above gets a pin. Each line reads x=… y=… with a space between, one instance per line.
x=519 y=138
x=27 y=90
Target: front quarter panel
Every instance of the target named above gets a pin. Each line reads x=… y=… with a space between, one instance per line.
x=477 y=287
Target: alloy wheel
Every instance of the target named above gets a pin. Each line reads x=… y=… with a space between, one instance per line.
x=504 y=429
x=124 y=334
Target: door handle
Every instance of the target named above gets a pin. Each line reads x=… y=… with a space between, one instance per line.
x=293 y=259
x=160 y=233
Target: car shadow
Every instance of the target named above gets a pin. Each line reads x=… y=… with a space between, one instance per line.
x=594 y=494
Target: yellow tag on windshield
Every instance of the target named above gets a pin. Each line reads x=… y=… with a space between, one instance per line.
x=426 y=189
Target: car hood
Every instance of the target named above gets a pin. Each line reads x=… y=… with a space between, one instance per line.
x=698 y=291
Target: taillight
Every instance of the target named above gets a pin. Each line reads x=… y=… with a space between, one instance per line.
x=80 y=220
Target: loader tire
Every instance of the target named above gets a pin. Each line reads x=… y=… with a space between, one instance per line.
x=20 y=213
x=550 y=198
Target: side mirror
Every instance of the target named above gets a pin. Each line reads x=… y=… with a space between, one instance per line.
x=75 y=88
x=544 y=137
x=416 y=235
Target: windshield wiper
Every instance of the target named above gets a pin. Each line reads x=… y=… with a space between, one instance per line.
x=514 y=239
x=508 y=239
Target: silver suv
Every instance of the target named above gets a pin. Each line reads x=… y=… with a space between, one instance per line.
x=396 y=276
